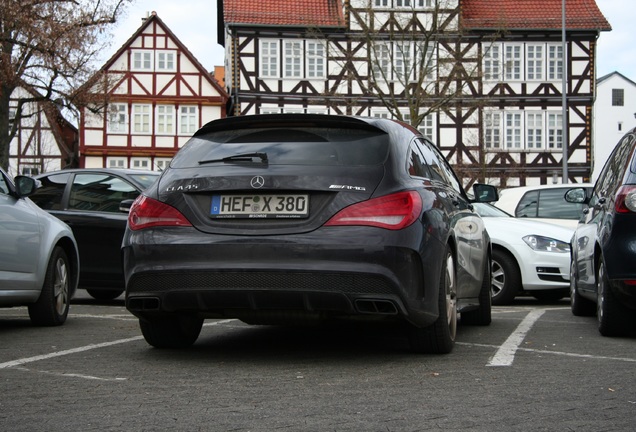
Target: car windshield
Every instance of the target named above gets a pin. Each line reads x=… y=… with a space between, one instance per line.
x=285 y=146
x=487 y=210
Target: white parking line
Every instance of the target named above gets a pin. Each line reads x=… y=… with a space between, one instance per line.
x=557 y=353
x=505 y=355
x=26 y=360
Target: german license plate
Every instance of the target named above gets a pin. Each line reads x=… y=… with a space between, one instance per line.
x=284 y=206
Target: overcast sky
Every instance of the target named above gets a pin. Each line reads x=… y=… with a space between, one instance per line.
x=195 y=26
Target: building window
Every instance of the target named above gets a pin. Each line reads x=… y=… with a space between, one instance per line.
x=166 y=61
x=141 y=118
x=403 y=61
x=30 y=170
x=618 y=97
x=534 y=62
x=381 y=61
x=142 y=60
x=534 y=130
x=513 y=131
x=116 y=162
x=492 y=62
x=381 y=3
x=293 y=59
x=188 y=120
x=117 y=118
x=269 y=59
x=427 y=127
x=555 y=131
x=555 y=62
x=512 y=62
x=492 y=130
x=165 y=119
x=140 y=163
x=161 y=163
x=315 y=59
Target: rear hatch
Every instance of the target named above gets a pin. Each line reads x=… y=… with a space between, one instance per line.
x=280 y=174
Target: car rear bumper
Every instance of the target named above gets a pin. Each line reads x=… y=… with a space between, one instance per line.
x=269 y=280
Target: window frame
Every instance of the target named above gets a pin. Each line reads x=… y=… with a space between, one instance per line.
x=144 y=117
x=122 y=126
x=145 y=65
x=165 y=122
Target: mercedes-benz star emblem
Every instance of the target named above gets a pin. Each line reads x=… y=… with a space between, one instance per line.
x=257 y=182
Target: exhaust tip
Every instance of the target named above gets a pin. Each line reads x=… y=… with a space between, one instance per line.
x=376 y=307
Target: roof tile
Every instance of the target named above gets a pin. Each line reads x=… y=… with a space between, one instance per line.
x=284 y=12
x=532 y=14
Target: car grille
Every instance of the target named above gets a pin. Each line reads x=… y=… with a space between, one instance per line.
x=288 y=281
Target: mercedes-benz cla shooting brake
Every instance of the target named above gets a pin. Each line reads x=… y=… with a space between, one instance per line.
x=288 y=218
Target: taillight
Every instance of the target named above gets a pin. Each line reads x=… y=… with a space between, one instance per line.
x=394 y=212
x=626 y=200
x=147 y=212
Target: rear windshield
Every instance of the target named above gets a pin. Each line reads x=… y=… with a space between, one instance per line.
x=287 y=146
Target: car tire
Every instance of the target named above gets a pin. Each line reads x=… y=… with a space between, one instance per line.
x=506 y=278
x=613 y=317
x=579 y=305
x=51 y=308
x=101 y=294
x=549 y=296
x=482 y=316
x=171 y=331
x=439 y=337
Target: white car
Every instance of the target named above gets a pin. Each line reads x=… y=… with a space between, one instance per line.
x=39 y=263
x=529 y=257
x=545 y=203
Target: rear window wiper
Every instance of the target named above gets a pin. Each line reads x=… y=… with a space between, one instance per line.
x=242 y=157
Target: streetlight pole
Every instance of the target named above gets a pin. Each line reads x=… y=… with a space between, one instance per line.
x=564 y=99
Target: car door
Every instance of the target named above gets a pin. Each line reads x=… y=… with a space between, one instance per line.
x=19 y=240
x=467 y=227
x=98 y=224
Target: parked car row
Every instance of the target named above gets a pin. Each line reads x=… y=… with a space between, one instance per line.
x=314 y=218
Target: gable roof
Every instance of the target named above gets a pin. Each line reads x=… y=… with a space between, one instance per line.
x=154 y=18
x=532 y=15
x=614 y=74
x=319 y=13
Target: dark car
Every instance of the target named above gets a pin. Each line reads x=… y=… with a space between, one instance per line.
x=94 y=203
x=282 y=219
x=603 y=269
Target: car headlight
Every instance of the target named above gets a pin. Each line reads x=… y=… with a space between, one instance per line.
x=546 y=244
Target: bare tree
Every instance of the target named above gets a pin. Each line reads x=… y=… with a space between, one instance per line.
x=48 y=48
x=417 y=60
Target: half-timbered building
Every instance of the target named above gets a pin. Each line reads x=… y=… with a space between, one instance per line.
x=44 y=139
x=481 y=78
x=156 y=95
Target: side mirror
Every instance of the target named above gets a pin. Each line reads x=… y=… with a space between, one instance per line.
x=576 y=195
x=485 y=193
x=25 y=186
x=125 y=205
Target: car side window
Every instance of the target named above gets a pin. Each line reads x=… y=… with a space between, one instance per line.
x=528 y=204
x=434 y=168
x=437 y=163
x=417 y=166
x=548 y=203
x=49 y=195
x=100 y=192
x=614 y=170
